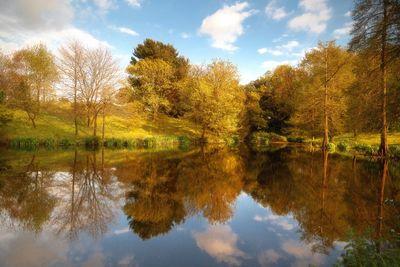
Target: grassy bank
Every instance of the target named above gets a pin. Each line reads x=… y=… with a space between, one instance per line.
x=123 y=129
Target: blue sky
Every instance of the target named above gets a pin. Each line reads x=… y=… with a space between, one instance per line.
x=256 y=35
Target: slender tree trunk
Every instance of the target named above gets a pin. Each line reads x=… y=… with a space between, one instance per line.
x=103 y=122
x=75 y=109
x=95 y=125
x=384 y=145
x=326 y=129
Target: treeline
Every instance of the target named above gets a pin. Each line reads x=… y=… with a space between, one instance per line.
x=333 y=90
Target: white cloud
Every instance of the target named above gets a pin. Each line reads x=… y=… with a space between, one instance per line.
x=272 y=64
x=280 y=38
x=347 y=14
x=280 y=50
x=273 y=52
x=30 y=15
x=134 y=3
x=344 y=31
x=262 y=50
x=127 y=31
x=303 y=253
x=268 y=257
x=225 y=25
x=26 y=22
x=103 y=5
x=185 y=35
x=275 y=12
x=289 y=45
x=315 y=17
x=280 y=221
x=221 y=243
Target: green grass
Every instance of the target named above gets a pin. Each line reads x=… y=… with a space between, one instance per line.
x=55 y=126
x=368 y=139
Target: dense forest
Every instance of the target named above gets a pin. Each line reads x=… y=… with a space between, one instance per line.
x=333 y=90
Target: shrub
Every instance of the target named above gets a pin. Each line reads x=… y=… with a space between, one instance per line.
x=49 y=143
x=25 y=143
x=343 y=147
x=264 y=138
x=232 y=141
x=92 y=141
x=295 y=139
x=65 y=142
x=184 y=141
x=330 y=147
x=365 y=149
x=394 y=151
x=149 y=142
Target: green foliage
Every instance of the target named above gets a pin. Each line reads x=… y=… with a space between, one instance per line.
x=394 y=151
x=49 y=143
x=65 y=142
x=331 y=147
x=365 y=149
x=92 y=142
x=232 y=141
x=265 y=138
x=295 y=139
x=184 y=142
x=363 y=251
x=343 y=147
x=149 y=142
x=5 y=116
x=24 y=143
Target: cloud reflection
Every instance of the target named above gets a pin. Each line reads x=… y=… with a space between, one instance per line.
x=220 y=243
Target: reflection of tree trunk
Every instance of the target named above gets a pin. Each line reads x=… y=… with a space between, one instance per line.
x=381 y=200
x=72 y=227
x=324 y=187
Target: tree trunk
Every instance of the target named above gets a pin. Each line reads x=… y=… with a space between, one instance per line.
x=326 y=130
x=103 y=123
x=75 y=110
x=384 y=145
x=95 y=125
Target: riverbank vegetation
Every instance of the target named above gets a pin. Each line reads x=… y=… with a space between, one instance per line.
x=79 y=95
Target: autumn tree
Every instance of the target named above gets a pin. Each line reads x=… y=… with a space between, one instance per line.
x=151 y=50
x=376 y=29
x=71 y=65
x=154 y=80
x=321 y=103
x=99 y=73
x=34 y=74
x=215 y=98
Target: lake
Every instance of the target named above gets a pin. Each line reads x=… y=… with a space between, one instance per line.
x=210 y=206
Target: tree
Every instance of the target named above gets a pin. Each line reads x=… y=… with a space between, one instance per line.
x=154 y=84
x=215 y=98
x=71 y=63
x=321 y=104
x=35 y=73
x=99 y=73
x=377 y=28
x=154 y=50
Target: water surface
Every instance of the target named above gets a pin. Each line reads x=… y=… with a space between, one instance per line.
x=203 y=207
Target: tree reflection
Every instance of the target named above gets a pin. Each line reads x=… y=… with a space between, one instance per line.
x=163 y=191
x=87 y=198
x=24 y=195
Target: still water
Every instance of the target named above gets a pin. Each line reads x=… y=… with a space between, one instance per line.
x=203 y=207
